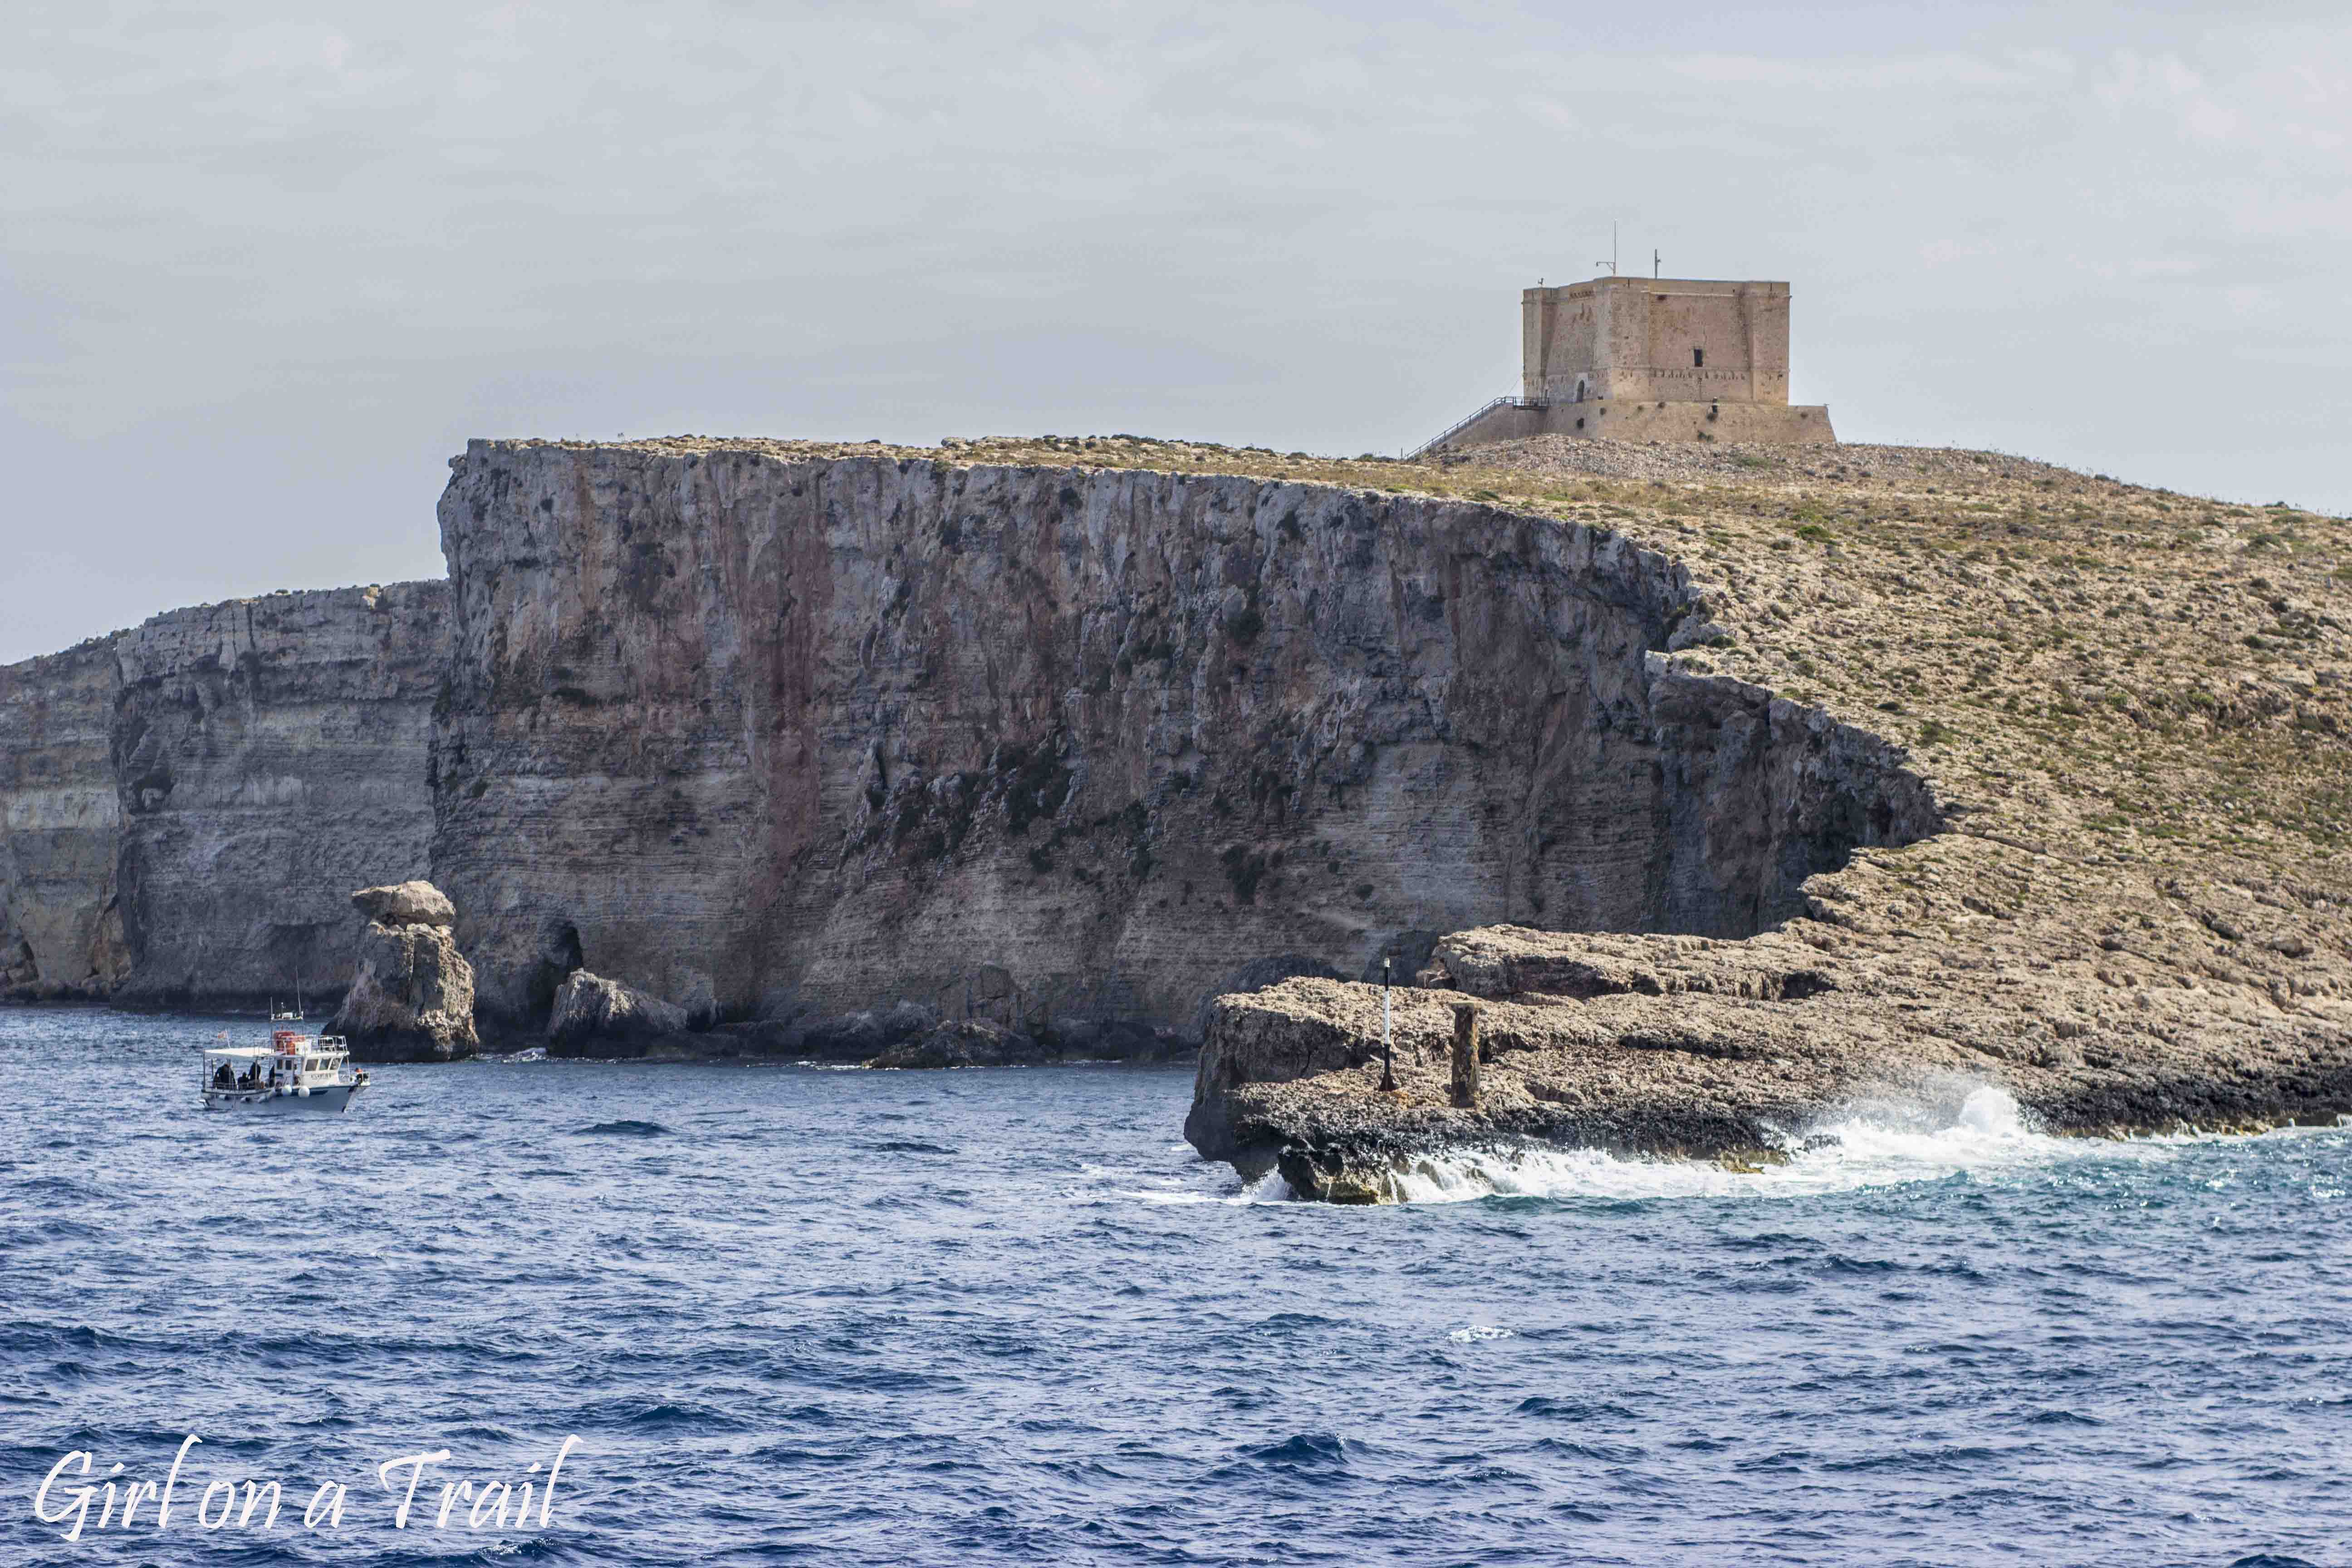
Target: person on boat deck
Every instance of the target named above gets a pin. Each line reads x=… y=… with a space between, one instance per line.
x=223 y=1079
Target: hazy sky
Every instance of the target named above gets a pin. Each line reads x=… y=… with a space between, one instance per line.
x=264 y=269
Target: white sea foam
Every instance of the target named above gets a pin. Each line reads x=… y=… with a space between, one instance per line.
x=1471 y=1333
x=1982 y=1132
x=1269 y=1188
x=1867 y=1147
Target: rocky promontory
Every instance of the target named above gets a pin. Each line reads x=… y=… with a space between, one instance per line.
x=1683 y=1047
x=2130 y=708
x=1731 y=784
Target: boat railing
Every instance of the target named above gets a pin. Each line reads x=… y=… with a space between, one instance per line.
x=345 y=1075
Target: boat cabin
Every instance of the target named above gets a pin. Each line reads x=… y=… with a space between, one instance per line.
x=292 y=1063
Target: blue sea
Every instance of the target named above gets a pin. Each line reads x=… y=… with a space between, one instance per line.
x=797 y=1315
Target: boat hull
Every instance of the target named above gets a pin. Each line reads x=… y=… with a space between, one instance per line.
x=266 y=1103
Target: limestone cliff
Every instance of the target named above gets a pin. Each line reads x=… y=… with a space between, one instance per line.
x=764 y=730
x=184 y=805
x=61 y=826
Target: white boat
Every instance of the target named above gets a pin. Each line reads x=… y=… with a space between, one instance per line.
x=294 y=1072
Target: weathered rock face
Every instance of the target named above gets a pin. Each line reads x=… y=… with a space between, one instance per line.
x=1664 y=1046
x=412 y=992
x=60 y=928
x=594 y=1017
x=270 y=754
x=772 y=732
x=406 y=904
x=181 y=804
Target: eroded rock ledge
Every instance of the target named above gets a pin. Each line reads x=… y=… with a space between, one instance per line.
x=1677 y=1047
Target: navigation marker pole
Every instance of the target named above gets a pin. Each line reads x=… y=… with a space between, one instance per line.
x=1388 y=1055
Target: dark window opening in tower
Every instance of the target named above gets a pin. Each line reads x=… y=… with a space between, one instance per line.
x=1698 y=359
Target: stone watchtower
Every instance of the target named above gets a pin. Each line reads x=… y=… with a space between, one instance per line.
x=1650 y=359
x=1642 y=338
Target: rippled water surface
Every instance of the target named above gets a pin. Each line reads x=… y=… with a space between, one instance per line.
x=835 y=1317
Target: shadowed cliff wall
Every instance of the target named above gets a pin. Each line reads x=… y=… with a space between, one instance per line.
x=271 y=757
x=60 y=826
x=185 y=806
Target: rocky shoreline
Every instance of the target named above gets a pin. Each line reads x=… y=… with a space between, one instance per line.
x=1680 y=1047
x=1909 y=770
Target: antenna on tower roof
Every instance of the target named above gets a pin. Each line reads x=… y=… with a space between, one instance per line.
x=1654 y=263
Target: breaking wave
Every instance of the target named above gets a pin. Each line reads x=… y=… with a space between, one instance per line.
x=1269 y=1188
x=1868 y=1147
